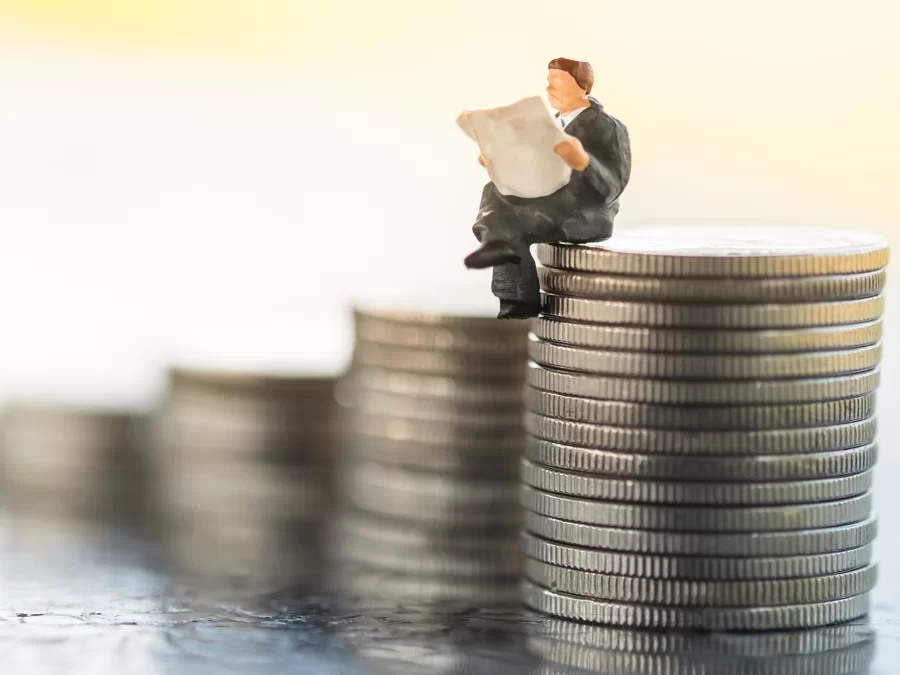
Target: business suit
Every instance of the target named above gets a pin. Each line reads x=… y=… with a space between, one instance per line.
x=581 y=211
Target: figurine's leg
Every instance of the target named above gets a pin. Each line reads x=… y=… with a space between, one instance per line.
x=592 y=224
x=529 y=290
x=492 y=229
x=505 y=281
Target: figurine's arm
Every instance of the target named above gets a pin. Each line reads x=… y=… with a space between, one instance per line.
x=605 y=165
x=609 y=163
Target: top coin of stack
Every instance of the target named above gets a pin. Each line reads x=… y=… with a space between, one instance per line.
x=434 y=412
x=678 y=369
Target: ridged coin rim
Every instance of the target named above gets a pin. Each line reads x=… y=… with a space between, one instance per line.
x=713 y=618
x=825 y=288
x=813 y=541
x=731 y=594
x=704 y=467
x=699 y=392
x=699 y=568
x=751 y=645
x=723 y=257
x=698 y=340
x=696 y=518
x=771 y=315
x=707 y=442
x=704 y=366
x=592 y=486
x=629 y=414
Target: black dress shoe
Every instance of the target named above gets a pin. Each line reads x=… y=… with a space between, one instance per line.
x=513 y=309
x=491 y=253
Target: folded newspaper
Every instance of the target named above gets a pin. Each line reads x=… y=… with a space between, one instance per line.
x=517 y=143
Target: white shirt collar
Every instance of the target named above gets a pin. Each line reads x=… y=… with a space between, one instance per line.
x=571 y=115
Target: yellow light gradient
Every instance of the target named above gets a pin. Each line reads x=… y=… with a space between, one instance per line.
x=219 y=176
x=801 y=95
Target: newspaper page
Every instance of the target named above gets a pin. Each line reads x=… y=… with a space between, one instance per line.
x=517 y=143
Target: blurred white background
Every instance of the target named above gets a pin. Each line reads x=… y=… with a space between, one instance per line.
x=216 y=180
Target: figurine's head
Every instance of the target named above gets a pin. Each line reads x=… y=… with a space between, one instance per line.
x=568 y=83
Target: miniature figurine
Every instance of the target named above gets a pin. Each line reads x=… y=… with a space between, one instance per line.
x=596 y=149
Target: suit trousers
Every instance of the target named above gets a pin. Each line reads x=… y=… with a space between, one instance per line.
x=522 y=222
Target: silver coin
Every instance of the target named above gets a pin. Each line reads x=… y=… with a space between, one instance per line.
x=182 y=437
x=384 y=427
x=752 y=645
x=275 y=413
x=406 y=588
x=493 y=462
x=457 y=461
x=490 y=367
x=240 y=491
x=374 y=403
x=669 y=592
x=723 y=251
x=456 y=334
x=706 y=618
x=627 y=414
x=36 y=426
x=433 y=387
x=228 y=383
x=401 y=534
x=418 y=496
x=677 y=441
x=749 y=468
x=694 y=290
x=437 y=320
x=698 y=392
x=188 y=418
x=705 y=366
x=696 y=568
x=824 y=539
x=640 y=339
x=697 y=518
x=797 y=315
x=368 y=548
x=592 y=486
x=849 y=661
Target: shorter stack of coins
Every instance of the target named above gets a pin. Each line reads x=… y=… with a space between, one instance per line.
x=702 y=430
x=434 y=406
x=244 y=464
x=66 y=464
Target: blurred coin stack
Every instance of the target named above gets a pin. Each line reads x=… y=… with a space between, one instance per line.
x=701 y=428
x=70 y=473
x=65 y=466
x=434 y=422
x=244 y=464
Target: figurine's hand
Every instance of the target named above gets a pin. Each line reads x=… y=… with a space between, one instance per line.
x=573 y=153
x=481 y=160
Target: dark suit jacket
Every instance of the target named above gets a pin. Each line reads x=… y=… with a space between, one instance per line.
x=582 y=210
x=598 y=187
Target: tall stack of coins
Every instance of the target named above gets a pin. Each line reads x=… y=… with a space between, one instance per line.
x=244 y=464
x=434 y=407
x=701 y=428
x=64 y=464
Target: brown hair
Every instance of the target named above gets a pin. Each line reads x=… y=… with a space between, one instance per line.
x=580 y=70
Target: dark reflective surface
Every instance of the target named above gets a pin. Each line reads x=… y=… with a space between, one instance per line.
x=77 y=598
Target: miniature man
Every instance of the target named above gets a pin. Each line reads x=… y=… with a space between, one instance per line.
x=599 y=154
